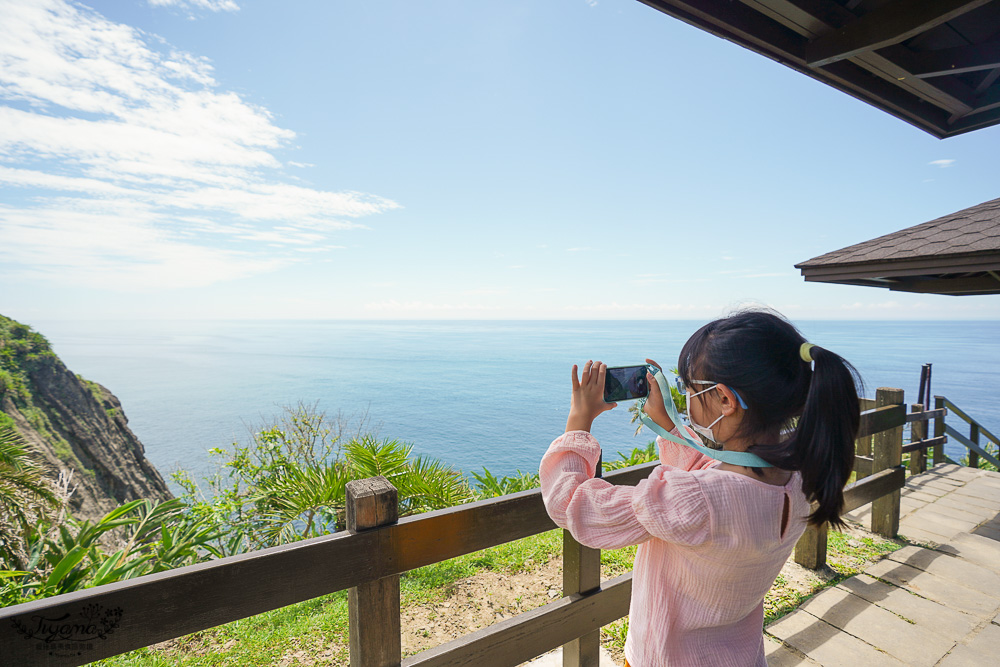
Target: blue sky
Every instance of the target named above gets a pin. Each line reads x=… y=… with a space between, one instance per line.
x=513 y=159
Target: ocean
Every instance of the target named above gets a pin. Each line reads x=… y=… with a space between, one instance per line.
x=472 y=393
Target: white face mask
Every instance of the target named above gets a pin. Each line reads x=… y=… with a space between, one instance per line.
x=703 y=431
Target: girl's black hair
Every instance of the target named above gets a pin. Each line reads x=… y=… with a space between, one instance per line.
x=798 y=417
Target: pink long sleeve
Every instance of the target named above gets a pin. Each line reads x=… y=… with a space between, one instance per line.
x=710 y=545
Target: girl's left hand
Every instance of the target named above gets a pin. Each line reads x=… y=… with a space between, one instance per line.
x=587 y=401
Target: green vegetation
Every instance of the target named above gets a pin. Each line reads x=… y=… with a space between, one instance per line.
x=26 y=497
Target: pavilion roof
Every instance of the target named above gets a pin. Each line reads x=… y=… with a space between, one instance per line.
x=956 y=254
x=932 y=63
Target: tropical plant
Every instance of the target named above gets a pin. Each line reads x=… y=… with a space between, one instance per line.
x=289 y=481
x=137 y=538
x=27 y=495
x=637 y=456
x=491 y=486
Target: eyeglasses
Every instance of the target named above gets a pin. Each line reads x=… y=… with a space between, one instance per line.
x=683 y=388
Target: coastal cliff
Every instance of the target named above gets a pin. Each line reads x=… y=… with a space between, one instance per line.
x=77 y=425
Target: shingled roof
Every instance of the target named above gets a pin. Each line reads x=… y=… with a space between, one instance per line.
x=956 y=254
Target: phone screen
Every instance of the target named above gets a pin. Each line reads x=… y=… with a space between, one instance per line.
x=625 y=383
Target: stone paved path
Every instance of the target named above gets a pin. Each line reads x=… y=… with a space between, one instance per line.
x=936 y=604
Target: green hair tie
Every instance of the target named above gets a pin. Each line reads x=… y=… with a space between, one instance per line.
x=804 y=350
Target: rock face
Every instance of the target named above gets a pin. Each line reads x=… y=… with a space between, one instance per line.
x=77 y=425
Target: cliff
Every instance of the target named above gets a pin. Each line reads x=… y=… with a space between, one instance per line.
x=77 y=425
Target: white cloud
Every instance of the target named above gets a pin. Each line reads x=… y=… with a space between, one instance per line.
x=944 y=164
x=103 y=127
x=213 y=5
x=578 y=249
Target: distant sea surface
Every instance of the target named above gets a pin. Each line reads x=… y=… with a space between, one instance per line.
x=472 y=393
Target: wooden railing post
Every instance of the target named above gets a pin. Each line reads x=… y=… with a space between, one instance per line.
x=582 y=574
x=974 y=437
x=887 y=453
x=938 y=430
x=810 y=550
x=918 y=431
x=373 y=607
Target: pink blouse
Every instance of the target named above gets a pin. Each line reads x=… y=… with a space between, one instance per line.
x=710 y=546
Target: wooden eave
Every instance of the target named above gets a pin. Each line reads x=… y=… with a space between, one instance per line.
x=932 y=63
x=975 y=273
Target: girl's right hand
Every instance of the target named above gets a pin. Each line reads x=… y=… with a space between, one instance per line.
x=654 y=404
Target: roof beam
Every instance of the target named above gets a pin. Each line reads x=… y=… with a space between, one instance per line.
x=889 y=24
x=955 y=61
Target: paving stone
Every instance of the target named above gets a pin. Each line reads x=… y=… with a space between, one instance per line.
x=986 y=531
x=981 y=513
x=555 y=659
x=987 y=643
x=929 y=525
x=975 y=515
x=958 y=570
x=928 y=489
x=918 y=495
x=963 y=656
x=975 y=549
x=989 y=481
x=779 y=655
x=977 y=490
x=915 y=534
x=826 y=644
x=931 y=513
x=935 y=588
x=926 y=614
x=975 y=500
x=878 y=627
x=943 y=526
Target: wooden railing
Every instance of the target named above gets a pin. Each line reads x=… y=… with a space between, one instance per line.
x=367 y=560
x=878 y=467
x=972 y=442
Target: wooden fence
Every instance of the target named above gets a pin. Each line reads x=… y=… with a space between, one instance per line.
x=368 y=558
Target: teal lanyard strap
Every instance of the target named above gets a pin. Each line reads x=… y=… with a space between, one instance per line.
x=745 y=459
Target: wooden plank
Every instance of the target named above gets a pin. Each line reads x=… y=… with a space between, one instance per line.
x=861 y=493
x=939 y=402
x=891 y=23
x=881 y=419
x=862 y=466
x=521 y=638
x=170 y=604
x=971 y=445
x=925 y=415
x=581 y=575
x=960 y=413
x=373 y=606
x=918 y=432
x=922 y=445
x=957 y=60
x=974 y=439
x=887 y=452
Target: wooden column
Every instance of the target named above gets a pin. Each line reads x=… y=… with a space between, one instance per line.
x=938 y=430
x=918 y=431
x=810 y=550
x=887 y=452
x=373 y=607
x=974 y=437
x=582 y=574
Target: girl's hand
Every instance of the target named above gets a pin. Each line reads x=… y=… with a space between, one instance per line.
x=654 y=403
x=588 y=397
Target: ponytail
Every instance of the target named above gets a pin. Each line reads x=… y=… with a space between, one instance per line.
x=800 y=415
x=823 y=440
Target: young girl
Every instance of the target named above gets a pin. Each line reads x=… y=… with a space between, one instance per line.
x=713 y=535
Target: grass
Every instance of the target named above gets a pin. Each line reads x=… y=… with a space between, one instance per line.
x=316 y=631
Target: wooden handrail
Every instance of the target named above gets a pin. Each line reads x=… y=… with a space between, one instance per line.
x=170 y=604
x=925 y=415
x=958 y=411
x=522 y=637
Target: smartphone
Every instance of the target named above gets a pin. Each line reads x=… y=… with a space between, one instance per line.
x=625 y=383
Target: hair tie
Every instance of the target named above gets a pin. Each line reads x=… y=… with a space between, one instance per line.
x=804 y=352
